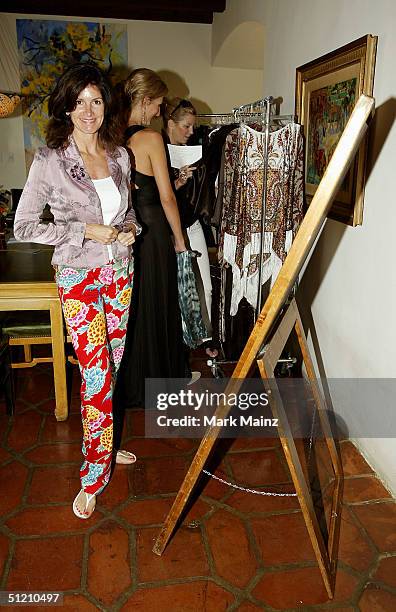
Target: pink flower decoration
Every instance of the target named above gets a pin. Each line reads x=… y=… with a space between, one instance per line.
x=117 y=354
x=106 y=275
x=74 y=338
x=94 y=425
x=79 y=317
x=112 y=322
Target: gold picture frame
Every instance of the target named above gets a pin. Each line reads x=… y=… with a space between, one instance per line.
x=327 y=90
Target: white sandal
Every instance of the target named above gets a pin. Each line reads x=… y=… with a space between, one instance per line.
x=87 y=512
x=124 y=457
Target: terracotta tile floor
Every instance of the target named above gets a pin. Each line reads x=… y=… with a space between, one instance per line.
x=233 y=550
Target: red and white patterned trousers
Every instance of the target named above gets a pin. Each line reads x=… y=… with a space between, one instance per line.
x=95 y=304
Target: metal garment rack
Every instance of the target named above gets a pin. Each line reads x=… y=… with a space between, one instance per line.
x=253 y=111
x=259 y=111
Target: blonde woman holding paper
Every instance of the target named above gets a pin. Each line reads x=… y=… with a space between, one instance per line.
x=179 y=122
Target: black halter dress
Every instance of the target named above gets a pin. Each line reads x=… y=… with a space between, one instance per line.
x=154 y=345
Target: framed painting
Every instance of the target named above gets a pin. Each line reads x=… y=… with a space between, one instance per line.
x=327 y=90
x=46 y=48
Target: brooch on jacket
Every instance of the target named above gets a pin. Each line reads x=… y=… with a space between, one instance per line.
x=77 y=172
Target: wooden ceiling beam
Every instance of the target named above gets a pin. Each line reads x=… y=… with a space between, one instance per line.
x=187 y=11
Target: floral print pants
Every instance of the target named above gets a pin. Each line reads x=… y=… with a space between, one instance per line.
x=95 y=305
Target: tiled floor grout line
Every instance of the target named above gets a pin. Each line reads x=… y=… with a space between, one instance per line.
x=134 y=557
x=7 y=565
x=361 y=476
x=173 y=581
x=383 y=585
x=208 y=552
x=254 y=544
x=371 y=502
x=84 y=562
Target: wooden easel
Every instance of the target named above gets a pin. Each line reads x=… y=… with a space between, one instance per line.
x=326 y=555
x=304 y=240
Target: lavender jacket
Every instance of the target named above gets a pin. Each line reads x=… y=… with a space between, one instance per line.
x=57 y=177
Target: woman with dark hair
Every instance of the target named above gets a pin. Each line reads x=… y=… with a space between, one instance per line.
x=63 y=101
x=155 y=339
x=85 y=179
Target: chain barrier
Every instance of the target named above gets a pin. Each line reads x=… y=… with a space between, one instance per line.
x=268 y=493
x=235 y=486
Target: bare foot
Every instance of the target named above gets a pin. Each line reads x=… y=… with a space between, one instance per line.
x=125 y=457
x=84 y=504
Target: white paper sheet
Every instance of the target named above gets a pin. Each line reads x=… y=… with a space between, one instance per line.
x=184 y=155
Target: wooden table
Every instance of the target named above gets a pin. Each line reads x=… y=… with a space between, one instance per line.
x=27 y=283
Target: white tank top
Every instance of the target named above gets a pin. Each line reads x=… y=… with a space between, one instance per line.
x=110 y=200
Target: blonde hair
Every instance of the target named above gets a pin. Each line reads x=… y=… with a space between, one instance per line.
x=176 y=109
x=142 y=83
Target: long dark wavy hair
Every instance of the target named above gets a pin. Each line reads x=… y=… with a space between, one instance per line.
x=64 y=99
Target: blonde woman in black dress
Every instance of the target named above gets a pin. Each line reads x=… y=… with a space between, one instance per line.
x=154 y=346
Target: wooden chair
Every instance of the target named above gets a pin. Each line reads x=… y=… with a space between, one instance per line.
x=27 y=329
x=6 y=375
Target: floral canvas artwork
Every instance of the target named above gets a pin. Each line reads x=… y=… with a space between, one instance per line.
x=329 y=111
x=46 y=48
x=327 y=90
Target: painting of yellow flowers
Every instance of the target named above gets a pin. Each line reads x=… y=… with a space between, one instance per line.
x=47 y=48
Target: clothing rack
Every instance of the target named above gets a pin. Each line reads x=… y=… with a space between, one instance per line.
x=256 y=110
x=217 y=119
x=259 y=111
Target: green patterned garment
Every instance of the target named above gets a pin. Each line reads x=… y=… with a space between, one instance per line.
x=194 y=330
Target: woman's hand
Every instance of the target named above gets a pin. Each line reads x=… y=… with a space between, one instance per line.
x=105 y=234
x=126 y=238
x=185 y=173
x=180 y=246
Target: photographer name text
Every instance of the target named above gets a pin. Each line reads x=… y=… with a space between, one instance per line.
x=241 y=420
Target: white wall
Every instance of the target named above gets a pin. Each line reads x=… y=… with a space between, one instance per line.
x=181 y=52
x=350 y=282
x=238 y=35
x=185 y=50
